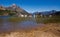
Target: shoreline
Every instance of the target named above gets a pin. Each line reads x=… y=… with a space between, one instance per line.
x=48 y=30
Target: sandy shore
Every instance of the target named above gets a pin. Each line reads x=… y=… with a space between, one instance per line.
x=48 y=30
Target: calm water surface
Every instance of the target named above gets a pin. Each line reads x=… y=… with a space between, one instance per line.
x=9 y=26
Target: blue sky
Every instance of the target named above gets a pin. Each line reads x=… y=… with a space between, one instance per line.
x=34 y=5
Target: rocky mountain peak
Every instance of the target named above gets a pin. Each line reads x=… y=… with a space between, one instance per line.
x=14 y=4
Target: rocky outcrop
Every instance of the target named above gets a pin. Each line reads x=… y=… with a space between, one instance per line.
x=2 y=8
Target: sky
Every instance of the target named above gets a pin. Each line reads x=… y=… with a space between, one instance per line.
x=34 y=5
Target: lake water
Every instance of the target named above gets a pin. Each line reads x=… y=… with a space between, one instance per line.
x=12 y=26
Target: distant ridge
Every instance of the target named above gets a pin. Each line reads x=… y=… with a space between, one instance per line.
x=47 y=12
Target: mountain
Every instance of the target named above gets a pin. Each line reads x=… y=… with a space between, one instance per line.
x=16 y=9
x=12 y=10
x=46 y=12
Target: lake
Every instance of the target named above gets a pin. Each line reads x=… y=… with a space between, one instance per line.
x=6 y=26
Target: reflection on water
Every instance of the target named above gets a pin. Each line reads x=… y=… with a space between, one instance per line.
x=10 y=26
x=27 y=24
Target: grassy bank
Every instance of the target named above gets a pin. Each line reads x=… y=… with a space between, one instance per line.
x=55 y=19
